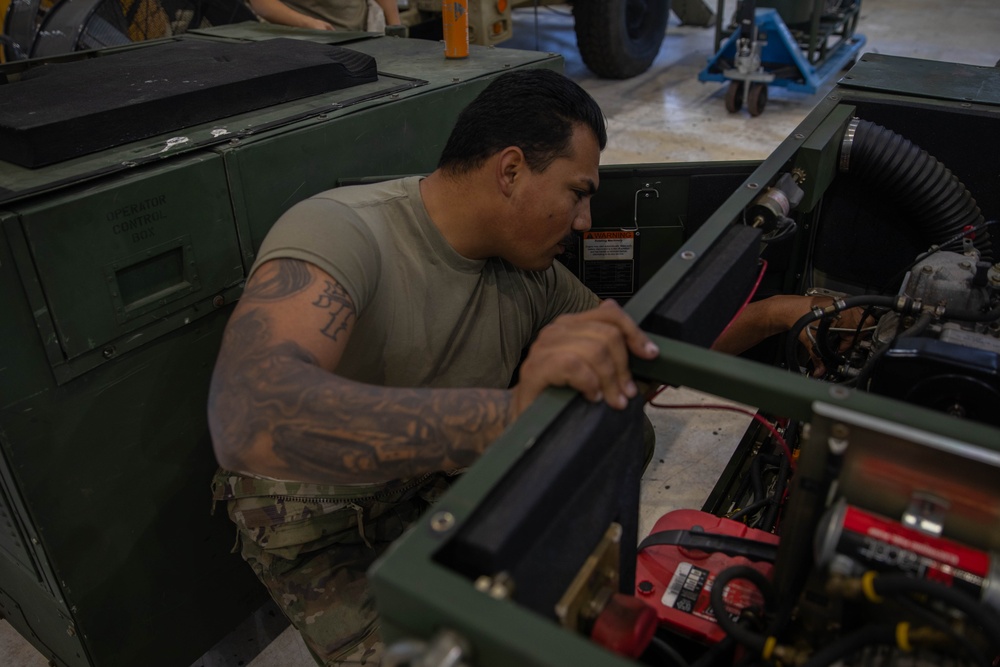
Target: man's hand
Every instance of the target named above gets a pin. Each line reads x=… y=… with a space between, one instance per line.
x=586 y=351
x=845 y=324
x=315 y=24
x=778 y=314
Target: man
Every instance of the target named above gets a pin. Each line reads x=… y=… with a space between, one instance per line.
x=379 y=330
x=371 y=353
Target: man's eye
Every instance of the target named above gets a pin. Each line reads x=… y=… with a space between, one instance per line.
x=580 y=194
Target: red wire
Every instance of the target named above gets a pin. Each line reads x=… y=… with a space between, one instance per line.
x=760 y=277
x=714 y=406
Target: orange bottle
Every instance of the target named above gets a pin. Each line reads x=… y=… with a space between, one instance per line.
x=455 y=20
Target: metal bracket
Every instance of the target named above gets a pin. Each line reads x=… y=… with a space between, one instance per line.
x=647 y=190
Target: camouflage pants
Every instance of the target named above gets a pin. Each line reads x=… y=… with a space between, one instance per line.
x=311 y=546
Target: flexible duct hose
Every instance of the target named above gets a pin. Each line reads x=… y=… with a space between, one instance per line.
x=937 y=201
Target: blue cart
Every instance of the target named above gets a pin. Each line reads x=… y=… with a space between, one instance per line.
x=795 y=44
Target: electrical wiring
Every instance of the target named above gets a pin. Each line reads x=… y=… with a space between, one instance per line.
x=732 y=408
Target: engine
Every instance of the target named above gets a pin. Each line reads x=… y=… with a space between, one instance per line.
x=936 y=343
x=951 y=365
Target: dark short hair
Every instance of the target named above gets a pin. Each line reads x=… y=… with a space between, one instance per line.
x=533 y=109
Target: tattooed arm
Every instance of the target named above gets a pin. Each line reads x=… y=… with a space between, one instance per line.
x=278 y=409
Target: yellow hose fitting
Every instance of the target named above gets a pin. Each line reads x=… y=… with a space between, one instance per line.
x=868 y=587
x=769 y=645
x=903 y=637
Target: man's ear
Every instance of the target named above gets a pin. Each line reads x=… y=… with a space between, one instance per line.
x=510 y=166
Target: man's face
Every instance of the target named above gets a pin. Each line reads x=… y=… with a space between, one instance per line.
x=552 y=204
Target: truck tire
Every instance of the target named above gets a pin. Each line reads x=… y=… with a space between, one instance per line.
x=619 y=39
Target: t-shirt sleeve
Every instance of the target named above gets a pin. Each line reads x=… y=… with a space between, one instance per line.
x=566 y=294
x=334 y=238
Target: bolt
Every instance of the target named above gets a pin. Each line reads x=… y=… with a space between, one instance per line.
x=645 y=587
x=927 y=268
x=108 y=352
x=218 y=301
x=500 y=590
x=688 y=254
x=799 y=135
x=752 y=186
x=837 y=446
x=839 y=392
x=442 y=521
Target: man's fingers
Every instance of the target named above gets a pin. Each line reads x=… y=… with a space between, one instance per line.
x=588 y=356
x=603 y=341
x=636 y=339
x=589 y=352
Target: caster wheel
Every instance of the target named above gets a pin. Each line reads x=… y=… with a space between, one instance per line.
x=734 y=96
x=757 y=98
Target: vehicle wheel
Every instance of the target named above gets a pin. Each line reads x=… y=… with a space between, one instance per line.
x=620 y=38
x=734 y=96
x=757 y=98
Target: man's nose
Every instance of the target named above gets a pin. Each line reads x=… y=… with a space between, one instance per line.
x=582 y=221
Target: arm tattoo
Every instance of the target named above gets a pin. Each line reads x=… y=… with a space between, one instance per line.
x=270 y=395
x=341 y=309
x=279 y=279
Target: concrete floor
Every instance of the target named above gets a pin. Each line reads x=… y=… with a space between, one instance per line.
x=666 y=115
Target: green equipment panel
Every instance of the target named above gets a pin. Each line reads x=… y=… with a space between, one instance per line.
x=126 y=253
x=118 y=271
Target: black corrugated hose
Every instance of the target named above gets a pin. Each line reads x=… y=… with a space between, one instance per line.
x=938 y=202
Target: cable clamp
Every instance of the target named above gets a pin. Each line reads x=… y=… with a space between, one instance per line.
x=769 y=645
x=868 y=587
x=907 y=306
x=903 y=637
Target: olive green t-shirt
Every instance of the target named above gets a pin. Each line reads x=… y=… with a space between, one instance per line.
x=426 y=316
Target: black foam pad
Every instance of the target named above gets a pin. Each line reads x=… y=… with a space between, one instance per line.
x=64 y=110
x=711 y=294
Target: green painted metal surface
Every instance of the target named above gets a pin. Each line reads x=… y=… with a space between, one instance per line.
x=923 y=78
x=118 y=271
